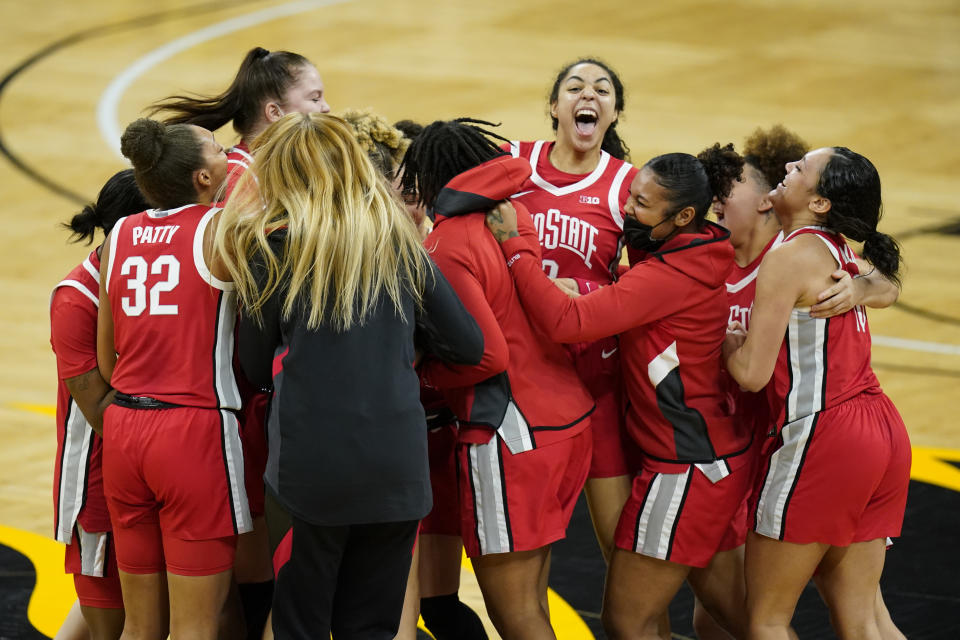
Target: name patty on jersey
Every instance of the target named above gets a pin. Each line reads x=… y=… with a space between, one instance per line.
x=567 y=232
x=142 y=235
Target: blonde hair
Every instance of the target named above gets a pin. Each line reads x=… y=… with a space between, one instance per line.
x=348 y=237
x=383 y=143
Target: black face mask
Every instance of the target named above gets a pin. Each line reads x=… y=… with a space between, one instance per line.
x=640 y=236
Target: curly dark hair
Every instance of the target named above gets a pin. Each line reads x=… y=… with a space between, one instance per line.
x=767 y=151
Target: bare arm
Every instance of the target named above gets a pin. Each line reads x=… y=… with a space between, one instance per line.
x=106 y=350
x=871 y=289
x=751 y=362
x=91 y=393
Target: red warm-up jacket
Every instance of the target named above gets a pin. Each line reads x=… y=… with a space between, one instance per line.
x=525 y=387
x=671 y=313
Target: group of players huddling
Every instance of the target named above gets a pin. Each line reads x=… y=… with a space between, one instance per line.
x=343 y=350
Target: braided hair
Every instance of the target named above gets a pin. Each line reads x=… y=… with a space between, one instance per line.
x=444 y=150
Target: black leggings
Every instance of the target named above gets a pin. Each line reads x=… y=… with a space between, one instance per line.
x=349 y=580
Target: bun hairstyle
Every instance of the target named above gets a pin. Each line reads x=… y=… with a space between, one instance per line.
x=164 y=158
x=263 y=76
x=409 y=128
x=383 y=143
x=695 y=181
x=119 y=197
x=768 y=151
x=852 y=185
x=612 y=143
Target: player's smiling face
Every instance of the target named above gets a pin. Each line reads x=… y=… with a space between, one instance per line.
x=799 y=187
x=739 y=211
x=306 y=95
x=585 y=106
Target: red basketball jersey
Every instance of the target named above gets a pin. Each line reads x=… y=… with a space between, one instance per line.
x=173 y=320
x=579 y=218
x=238 y=161
x=823 y=361
x=748 y=408
x=78 y=475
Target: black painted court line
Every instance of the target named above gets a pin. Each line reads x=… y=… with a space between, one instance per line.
x=84 y=35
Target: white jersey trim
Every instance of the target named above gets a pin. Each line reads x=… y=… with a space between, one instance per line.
x=571 y=188
x=92 y=270
x=163 y=213
x=114 y=234
x=198 y=259
x=77 y=438
x=79 y=286
x=613 y=197
x=733 y=287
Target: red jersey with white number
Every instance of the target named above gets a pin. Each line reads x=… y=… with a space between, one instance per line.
x=823 y=361
x=579 y=217
x=78 y=476
x=238 y=161
x=173 y=321
x=749 y=408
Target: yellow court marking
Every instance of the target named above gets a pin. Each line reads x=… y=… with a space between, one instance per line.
x=566 y=622
x=54 y=593
x=929 y=466
x=42 y=409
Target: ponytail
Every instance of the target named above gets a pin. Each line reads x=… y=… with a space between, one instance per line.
x=852 y=185
x=263 y=76
x=614 y=144
x=119 y=197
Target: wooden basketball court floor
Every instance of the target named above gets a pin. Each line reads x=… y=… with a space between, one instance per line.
x=881 y=77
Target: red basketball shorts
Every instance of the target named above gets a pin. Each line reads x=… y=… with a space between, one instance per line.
x=519 y=502
x=598 y=366
x=174 y=478
x=444 y=518
x=253 y=435
x=683 y=517
x=92 y=560
x=839 y=476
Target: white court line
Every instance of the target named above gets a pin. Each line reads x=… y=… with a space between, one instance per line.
x=916 y=345
x=107 y=108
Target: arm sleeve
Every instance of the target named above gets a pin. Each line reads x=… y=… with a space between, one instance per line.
x=73 y=333
x=448 y=330
x=459 y=271
x=257 y=341
x=644 y=294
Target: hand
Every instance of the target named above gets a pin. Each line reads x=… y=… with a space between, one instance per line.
x=502 y=221
x=568 y=286
x=839 y=298
x=734 y=339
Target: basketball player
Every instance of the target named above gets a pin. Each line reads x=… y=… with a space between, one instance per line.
x=748 y=214
x=81 y=520
x=524 y=441
x=173 y=466
x=670 y=311
x=579 y=184
x=825 y=403
x=267 y=85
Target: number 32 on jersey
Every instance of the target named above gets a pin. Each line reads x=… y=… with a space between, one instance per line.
x=136 y=270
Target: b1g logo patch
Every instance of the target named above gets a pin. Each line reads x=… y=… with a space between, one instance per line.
x=589 y=200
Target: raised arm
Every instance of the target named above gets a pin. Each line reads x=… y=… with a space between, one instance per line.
x=636 y=299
